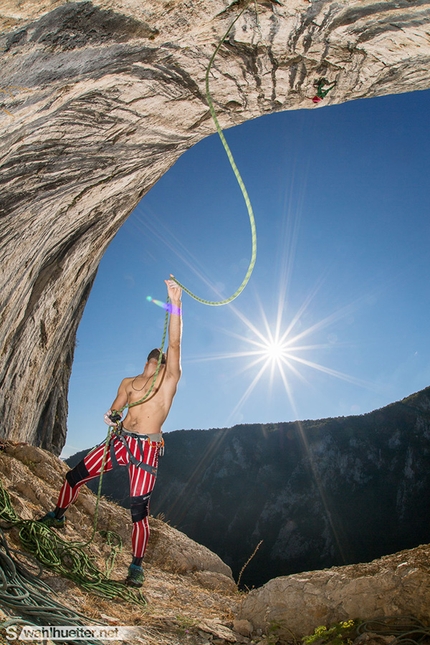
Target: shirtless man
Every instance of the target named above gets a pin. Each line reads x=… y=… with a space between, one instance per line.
x=136 y=441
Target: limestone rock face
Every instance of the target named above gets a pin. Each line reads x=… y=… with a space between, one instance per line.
x=98 y=100
x=392 y=586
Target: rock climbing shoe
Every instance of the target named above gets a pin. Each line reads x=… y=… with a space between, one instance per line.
x=50 y=520
x=135 y=576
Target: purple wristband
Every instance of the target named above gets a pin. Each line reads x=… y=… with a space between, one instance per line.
x=174 y=310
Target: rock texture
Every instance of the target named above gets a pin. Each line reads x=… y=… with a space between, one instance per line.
x=392 y=586
x=98 y=99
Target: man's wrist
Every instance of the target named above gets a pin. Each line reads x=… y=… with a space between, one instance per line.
x=175 y=309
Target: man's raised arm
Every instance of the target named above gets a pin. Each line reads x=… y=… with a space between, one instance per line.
x=173 y=365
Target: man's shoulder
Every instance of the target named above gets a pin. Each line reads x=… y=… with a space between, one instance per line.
x=127 y=380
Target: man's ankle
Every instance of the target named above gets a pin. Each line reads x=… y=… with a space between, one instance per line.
x=59 y=512
x=137 y=561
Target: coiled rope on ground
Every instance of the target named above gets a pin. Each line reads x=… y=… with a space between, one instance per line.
x=68 y=558
x=25 y=594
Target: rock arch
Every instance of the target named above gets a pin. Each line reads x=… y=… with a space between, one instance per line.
x=98 y=100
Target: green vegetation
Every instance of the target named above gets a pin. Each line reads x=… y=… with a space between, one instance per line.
x=341 y=633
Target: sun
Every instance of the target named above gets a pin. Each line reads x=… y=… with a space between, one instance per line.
x=276 y=348
x=282 y=350
x=273 y=350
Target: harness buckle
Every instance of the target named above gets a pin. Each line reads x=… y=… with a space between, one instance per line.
x=117 y=429
x=161 y=449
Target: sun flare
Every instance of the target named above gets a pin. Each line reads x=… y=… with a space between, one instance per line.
x=274 y=350
x=284 y=351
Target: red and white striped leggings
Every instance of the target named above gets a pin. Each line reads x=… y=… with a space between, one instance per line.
x=141 y=482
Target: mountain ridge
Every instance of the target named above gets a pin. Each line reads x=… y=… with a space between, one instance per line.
x=319 y=493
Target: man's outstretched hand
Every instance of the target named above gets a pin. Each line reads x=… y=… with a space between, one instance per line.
x=174 y=292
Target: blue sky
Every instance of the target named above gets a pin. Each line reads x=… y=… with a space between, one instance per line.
x=341 y=200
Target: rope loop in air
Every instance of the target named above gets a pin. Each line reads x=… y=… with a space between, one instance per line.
x=214 y=303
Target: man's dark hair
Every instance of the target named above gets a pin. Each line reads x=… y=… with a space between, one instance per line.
x=155 y=353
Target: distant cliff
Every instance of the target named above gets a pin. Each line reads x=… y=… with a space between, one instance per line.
x=318 y=493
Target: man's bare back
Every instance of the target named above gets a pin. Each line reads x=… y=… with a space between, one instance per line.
x=149 y=416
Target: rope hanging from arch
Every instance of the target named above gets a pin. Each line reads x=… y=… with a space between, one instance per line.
x=217 y=303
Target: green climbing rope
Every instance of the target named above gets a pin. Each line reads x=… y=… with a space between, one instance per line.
x=66 y=558
x=239 y=181
x=27 y=600
x=406 y=629
x=157 y=369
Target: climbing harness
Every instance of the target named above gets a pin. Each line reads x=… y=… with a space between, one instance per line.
x=239 y=181
x=321 y=93
x=120 y=433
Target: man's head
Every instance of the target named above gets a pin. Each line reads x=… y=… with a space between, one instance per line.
x=155 y=354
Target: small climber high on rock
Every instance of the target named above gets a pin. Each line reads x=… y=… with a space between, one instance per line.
x=136 y=441
x=321 y=92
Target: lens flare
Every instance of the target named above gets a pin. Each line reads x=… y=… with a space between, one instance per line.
x=163 y=305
